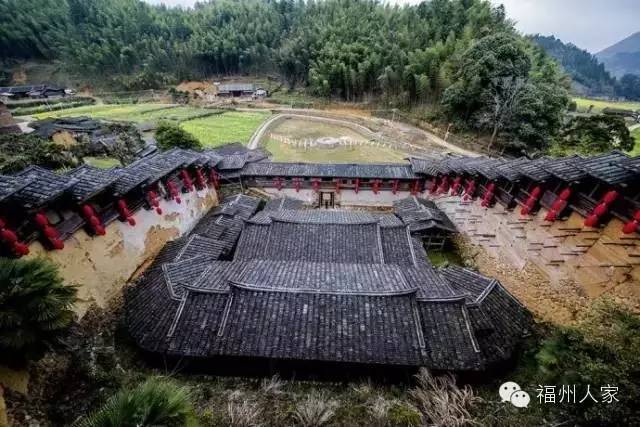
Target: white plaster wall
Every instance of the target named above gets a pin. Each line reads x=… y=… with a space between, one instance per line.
x=100 y=266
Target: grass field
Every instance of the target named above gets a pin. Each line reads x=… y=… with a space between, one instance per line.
x=357 y=154
x=599 y=104
x=636 y=134
x=130 y=112
x=233 y=126
x=102 y=162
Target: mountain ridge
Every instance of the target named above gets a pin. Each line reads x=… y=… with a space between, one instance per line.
x=622 y=57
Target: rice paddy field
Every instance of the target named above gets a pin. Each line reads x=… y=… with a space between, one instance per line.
x=212 y=127
x=356 y=154
x=600 y=104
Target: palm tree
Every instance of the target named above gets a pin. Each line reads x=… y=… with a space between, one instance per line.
x=156 y=402
x=35 y=308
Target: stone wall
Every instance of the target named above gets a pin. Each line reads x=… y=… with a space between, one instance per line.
x=102 y=265
x=599 y=260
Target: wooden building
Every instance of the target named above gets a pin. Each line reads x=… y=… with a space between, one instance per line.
x=320 y=286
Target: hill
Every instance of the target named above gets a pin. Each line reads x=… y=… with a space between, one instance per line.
x=590 y=77
x=623 y=57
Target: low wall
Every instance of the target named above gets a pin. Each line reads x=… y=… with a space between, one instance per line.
x=346 y=198
x=599 y=260
x=102 y=265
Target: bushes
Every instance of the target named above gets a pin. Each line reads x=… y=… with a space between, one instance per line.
x=155 y=402
x=20 y=151
x=170 y=135
x=35 y=308
x=603 y=349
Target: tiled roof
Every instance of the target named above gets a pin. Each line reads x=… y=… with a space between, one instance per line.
x=300 y=303
x=319 y=170
x=421 y=214
x=92 y=180
x=11 y=184
x=43 y=186
x=283 y=203
x=565 y=168
x=607 y=168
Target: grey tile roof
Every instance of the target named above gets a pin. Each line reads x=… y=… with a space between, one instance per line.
x=565 y=168
x=421 y=215
x=319 y=170
x=43 y=186
x=283 y=203
x=381 y=304
x=607 y=168
x=512 y=169
x=11 y=184
x=92 y=180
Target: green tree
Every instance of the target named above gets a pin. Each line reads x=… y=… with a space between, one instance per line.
x=170 y=135
x=35 y=308
x=156 y=402
x=595 y=134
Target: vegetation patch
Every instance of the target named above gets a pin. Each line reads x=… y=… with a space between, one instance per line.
x=232 y=126
x=346 y=154
x=584 y=105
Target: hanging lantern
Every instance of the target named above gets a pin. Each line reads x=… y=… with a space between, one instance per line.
x=434 y=186
x=600 y=210
x=8 y=236
x=591 y=221
x=610 y=197
x=357 y=185
x=551 y=216
x=21 y=249
x=456 y=185
x=41 y=220
x=57 y=244
x=565 y=194
x=214 y=178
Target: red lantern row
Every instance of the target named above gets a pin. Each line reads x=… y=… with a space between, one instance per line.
x=338 y=182
x=10 y=238
x=416 y=188
x=455 y=188
x=200 y=180
x=601 y=209
x=444 y=185
x=470 y=190
x=632 y=226
x=174 y=194
x=125 y=213
x=558 y=205
x=488 y=195
x=186 y=180
x=213 y=176
x=152 y=197
x=530 y=204
x=50 y=233
x=92 y=219
x=296 y=184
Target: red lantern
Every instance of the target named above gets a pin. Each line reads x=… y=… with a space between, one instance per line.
x=2 y=223
x=536 y=192
x=591 y=221
x=41 y=220
x=131 y=221
x=558 y=205
x=600 y=210
x=21 y=249
x=57 y=244
x=525 y=210
x=122 y=205
x=610 y=197
x=100 y=230
x=158 y=211
x=630 y=227
x=8 y=236
x=50 y=232
x=565 y=194
x=551 y=216
x=88 y=211
x=94 y=221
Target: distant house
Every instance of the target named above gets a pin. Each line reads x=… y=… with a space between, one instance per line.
x=7 y=124
x=237 y=89
x=36 y=91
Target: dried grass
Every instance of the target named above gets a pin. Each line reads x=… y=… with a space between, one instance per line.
x=315 y=410
x=272 y=386
x=379 y=408
x=243 y=412
x=441 y=402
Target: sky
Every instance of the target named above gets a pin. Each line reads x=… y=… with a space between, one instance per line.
x=589 y=24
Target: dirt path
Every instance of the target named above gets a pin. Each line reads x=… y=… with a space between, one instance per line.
x=398 y=135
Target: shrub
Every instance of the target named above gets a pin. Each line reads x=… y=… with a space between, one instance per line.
x=242 y=412
x=603 y=349
x=442 y=402
x=35 y=308
x=20 y=151
x=170 y=135
x=315 y=410
x=155 y=402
